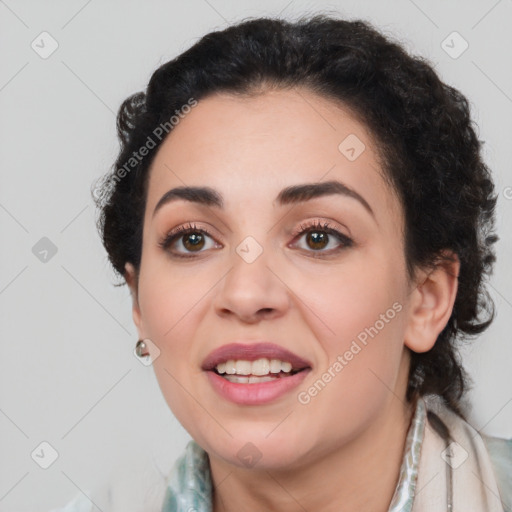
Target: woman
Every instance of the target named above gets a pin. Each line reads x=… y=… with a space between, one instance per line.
x=304 y=250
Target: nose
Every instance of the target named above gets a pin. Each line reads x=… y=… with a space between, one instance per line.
x=252 y=291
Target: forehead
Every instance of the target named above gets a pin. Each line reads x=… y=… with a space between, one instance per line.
x=250 y=148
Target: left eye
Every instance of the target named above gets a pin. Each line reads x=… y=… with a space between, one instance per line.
x=318 y=237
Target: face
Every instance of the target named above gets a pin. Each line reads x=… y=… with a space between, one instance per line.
x=321 y=275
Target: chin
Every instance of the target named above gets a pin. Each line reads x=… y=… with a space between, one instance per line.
x=258 y=451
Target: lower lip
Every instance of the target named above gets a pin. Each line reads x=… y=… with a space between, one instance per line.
x=255 y=393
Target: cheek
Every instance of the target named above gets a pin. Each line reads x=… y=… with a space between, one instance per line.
x=171 y=308
x=170 y=293
x=352 y=297
x=174 y=303
x=360 y=370
x=362 y=312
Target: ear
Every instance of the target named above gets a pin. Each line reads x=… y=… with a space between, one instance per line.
x=132 y=280
x=431 y=303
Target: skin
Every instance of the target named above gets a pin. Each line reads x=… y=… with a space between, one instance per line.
x=343 y=449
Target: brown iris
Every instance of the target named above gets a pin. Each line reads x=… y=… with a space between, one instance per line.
x=317 y=238
x=196 y=241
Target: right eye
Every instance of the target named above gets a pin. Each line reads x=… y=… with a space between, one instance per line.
x=190 y=237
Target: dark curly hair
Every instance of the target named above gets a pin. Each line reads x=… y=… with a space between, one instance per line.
x=426 y=140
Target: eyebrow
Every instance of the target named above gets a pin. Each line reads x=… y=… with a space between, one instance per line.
x=290 y=195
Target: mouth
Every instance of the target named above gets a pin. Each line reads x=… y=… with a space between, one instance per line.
x=254 y=374
x=243 y=371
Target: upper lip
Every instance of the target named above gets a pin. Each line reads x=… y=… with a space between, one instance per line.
x=251 y=352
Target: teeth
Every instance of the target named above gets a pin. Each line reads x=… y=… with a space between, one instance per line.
x=249 y=380
x=230 y=367
x=243 y=367
x=258 y=367
x=286 y=367
x=275 y=366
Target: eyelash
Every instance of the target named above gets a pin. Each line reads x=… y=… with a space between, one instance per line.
x=304 y=228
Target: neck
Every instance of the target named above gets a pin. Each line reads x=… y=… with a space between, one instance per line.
x=360 y=476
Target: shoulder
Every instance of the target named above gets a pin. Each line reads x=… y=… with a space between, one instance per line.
x=498 y=450
x=500 y=453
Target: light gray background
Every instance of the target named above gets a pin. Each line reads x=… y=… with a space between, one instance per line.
x=68 y=375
